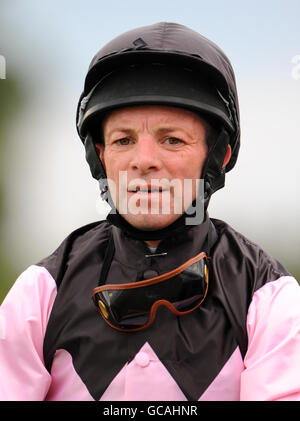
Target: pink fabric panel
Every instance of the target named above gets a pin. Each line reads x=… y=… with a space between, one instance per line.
x=66 y=384
x=273 y=359
x=145 y=378
x=226 y=386
x=23 y=319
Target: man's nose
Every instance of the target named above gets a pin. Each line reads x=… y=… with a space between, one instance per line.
x=146 y=155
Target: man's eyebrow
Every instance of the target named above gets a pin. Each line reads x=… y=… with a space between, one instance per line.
x=168 y=129
x=120 y=129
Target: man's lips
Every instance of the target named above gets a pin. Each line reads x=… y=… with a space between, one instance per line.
x=146 y=189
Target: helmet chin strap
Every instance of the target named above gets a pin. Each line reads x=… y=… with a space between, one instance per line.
x=92 y=157
x=213 y=172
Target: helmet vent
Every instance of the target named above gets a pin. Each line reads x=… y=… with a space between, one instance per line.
x=139 y=43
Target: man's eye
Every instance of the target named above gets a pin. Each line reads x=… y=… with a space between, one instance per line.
x=173 y=141
x=124 y=141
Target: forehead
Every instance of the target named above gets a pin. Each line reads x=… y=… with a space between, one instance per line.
x=155 y=114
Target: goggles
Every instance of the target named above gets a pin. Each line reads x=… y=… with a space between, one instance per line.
x=132 y=306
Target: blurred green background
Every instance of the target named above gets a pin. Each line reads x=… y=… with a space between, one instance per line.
x=11 y=100
x=46 y=190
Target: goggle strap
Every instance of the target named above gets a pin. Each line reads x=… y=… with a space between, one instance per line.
x=155 y=280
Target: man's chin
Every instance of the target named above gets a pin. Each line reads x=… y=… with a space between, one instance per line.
x=146 y=222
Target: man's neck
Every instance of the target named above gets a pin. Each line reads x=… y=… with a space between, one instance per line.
x=153 y=243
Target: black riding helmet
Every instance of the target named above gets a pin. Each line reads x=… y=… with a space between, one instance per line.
x=163 y=64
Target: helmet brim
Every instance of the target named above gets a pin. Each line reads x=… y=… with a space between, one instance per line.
x=154 y=84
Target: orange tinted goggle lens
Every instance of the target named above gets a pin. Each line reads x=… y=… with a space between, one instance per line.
x=132 y=306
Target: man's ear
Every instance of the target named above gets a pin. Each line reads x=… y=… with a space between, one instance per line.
x=227 y=156
x=100 y=150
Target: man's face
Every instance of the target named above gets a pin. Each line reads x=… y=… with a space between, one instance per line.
x=159 y=151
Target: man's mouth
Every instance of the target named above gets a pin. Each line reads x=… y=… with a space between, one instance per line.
x=143 y=189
